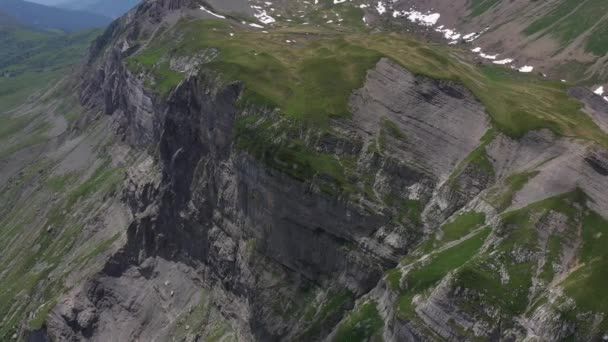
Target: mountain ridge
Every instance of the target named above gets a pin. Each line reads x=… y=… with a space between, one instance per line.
x=312 y=172
x=48 y=18
x=111 y=9
x=562 y=38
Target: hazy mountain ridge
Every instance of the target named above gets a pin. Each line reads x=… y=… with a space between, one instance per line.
x=51 y=18
x=107 y=8
x=7 y=21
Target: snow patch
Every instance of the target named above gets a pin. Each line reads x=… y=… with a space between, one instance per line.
x=449 y=34
x=212 y=13
x=424 y=19
x=381 y=8
x=430 y=19
x=262 y=16
x=526 y=68
x=504 y=61
x=599 y=91
x=483 y=55
x=469 y=36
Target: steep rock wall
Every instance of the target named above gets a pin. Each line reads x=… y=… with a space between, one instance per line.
x=215 y=217
x=212 y=202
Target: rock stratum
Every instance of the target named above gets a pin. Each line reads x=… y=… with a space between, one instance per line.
x=301 y=182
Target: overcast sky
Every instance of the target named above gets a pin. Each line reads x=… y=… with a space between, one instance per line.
x=47 y=2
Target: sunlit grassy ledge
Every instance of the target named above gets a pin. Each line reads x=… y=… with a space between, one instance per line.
x=310 y=71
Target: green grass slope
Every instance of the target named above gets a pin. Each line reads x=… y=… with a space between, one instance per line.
x=326 y=65
x=571 y=19
x=308 y=72
x=31 y=60
x=37 y=233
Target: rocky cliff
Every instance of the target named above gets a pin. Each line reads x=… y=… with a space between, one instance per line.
x=417 y=215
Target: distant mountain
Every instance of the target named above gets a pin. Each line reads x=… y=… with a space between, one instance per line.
x=26 y=50
x=8 y=21
x=108 y=8
x=51 y=18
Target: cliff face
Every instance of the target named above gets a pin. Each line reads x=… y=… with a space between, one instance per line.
x=226 y=242
x=216 y=209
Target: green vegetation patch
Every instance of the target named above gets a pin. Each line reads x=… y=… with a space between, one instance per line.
x=518 y=235
x=573 y=18
x=553 y=254
x=350 y=16
x=588 y=283
x=312 y=77
x=462 y=225
x=479 y=7
x=393 y=130
x=393 y=279
x=513 y=184
x=26 y=286
x=580 y=20
x=563 y=9
x=597 y=43
x=26 y=51
x=16 y=90
x=31 y=60
x=10 y=125
x=323 y=316
x=389 y=130
x=511 y=298
x=100 y=248
x=424 y=277
x=363 y=324
x=36 y=136
x=477 y=159
x=310 y=80
x=270 y=143
x=547 y=105
x=408 y=211
x=104 y=179
x=309 y=73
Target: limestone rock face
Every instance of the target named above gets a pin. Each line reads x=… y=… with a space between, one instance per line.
x=442 y=121
x=220 y=241
x=213 y=199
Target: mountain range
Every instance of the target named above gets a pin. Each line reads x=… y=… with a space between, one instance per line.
x=107 y=8
x=332 y=170
x=50 y=18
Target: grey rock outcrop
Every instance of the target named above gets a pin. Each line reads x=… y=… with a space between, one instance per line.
x=209 y=216
x=442 y=122
x=212 y=200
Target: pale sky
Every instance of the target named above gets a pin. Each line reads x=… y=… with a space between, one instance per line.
x=47 y=2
